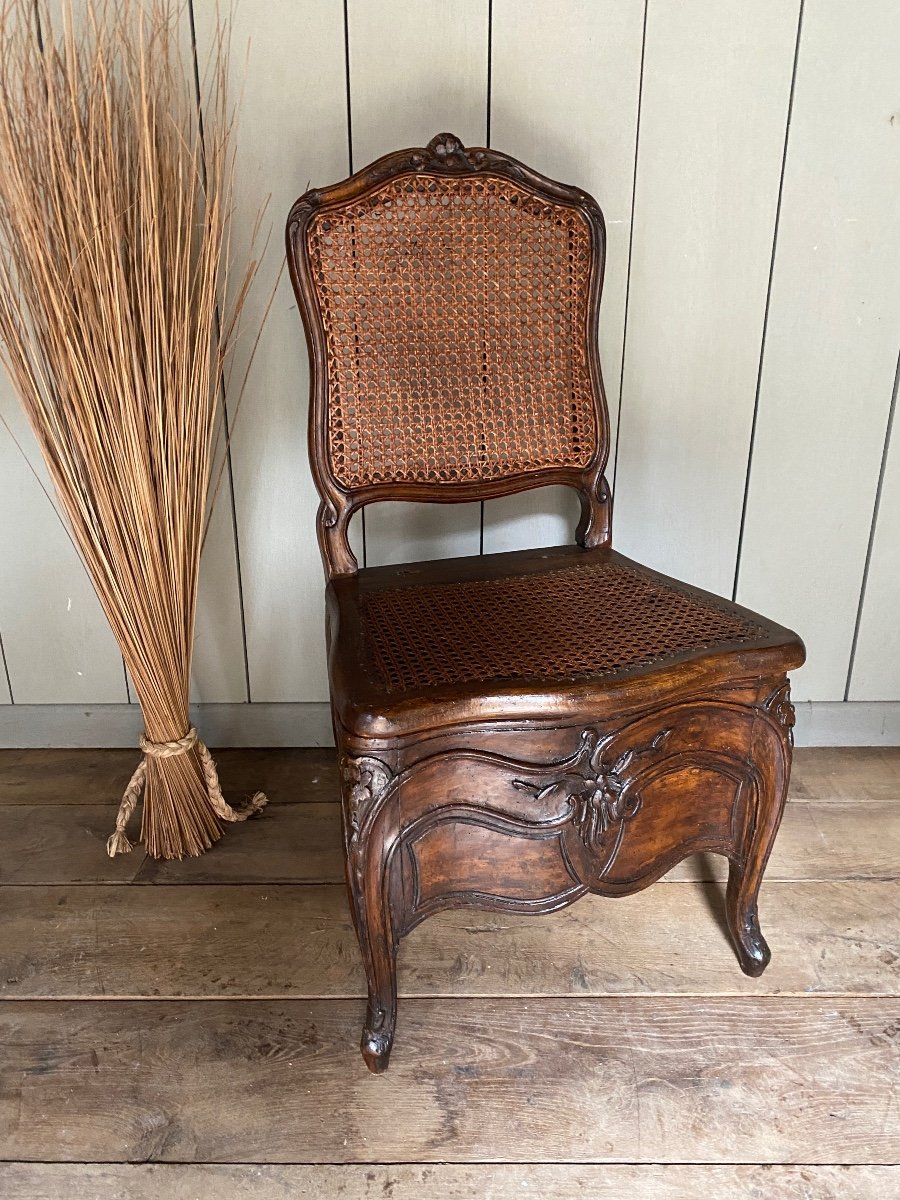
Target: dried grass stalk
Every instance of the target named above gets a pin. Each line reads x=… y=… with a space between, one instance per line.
x=114 y=219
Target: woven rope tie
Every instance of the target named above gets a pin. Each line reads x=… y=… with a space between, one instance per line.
x=118 y=842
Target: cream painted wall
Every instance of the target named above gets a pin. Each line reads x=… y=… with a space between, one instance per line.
x=748 y=161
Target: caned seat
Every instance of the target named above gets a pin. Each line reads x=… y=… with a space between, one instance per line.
x=514 y=730
x=488 y=634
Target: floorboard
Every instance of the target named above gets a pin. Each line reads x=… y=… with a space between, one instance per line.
x=636 y=1079
x=194 y=1034
x=486 y=1181
x=285 y=940
x=100 y=776
x=301 y=843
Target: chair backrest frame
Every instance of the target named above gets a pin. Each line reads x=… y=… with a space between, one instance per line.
x=444 y=156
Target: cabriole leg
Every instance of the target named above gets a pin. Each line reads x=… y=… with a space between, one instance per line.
x=370 y=888
x=772 y=756
x=752 y=948
x=380 y=958
x=379 y=954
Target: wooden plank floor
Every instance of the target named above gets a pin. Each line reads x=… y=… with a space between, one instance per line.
x=194 y=1033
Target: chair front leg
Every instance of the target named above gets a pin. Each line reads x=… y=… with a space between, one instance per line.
x=772 y=756
x=370 y=829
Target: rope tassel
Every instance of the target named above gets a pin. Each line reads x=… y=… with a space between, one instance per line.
x=193 y=840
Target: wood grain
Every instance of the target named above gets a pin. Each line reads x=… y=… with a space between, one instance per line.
x=750 y=1077
x=301 y=843
x=91 y=776
x=860 y=773
x=47 y=843
x=85 y=776
x=285 y=941
x=618 y=1079
x=94 y=776
x=67 y=844
x=488 y=1181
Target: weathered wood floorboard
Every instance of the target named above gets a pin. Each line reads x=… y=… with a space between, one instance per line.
x=486 y=1181
x=636 y=1079
x=100 y=776
x=289 y=775
x=616 y=1032
x=301 y=843
x=285 y=940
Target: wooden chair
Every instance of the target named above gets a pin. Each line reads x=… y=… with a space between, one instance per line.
x=518 y=729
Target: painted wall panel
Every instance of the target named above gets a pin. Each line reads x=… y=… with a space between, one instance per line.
x=717 y=80
x=56 y=640
x=85 y=666
x=831 y=342
x=57 y=643
x=219 y=673
x=219 y=670
x=289 y=61
x=876 y=664
x=219 y=667
x=565 y=82
x=417 y=70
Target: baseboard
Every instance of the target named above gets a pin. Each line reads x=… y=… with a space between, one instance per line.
x=819 y=723
x=850 y=723
x=108 y=725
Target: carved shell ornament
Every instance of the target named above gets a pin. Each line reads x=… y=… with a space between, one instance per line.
x=599 y=795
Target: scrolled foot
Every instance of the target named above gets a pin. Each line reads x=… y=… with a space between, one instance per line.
x=377 y=1038
x=752 y=948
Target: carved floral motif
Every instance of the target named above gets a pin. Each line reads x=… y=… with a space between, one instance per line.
x=779 y=705
x=369 y=779
x=598 y=793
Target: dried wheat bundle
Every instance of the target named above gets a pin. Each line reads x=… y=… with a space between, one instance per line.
x=114 y=218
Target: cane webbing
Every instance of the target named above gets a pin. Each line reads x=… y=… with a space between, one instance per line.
x=455 y=320
x=577 y=622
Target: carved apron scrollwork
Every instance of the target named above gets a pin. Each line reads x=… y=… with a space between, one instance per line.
x=603 y=796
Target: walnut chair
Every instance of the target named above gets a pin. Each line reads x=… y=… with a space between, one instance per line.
x=516 y=729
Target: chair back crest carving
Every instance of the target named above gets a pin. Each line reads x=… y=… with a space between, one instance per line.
x=450 y=300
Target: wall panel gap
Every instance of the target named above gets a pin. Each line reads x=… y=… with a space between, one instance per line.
x=762 y=344
x=637 y=142
x=223 y=398
x=830 y=359
x=12 y=698
x=875 y=511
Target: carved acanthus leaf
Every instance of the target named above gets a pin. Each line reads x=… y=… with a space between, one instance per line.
x=778 y=703
x=369 y=778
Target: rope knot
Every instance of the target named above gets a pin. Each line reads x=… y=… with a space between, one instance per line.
x=118 y=843
x=169 y=749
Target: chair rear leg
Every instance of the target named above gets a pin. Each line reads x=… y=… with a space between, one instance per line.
x=752 y=948
x=772 y=754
